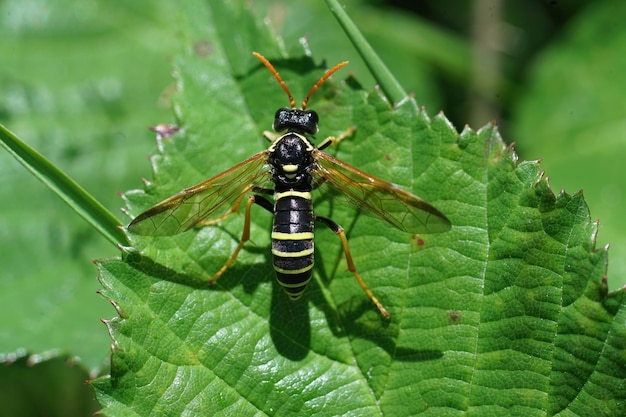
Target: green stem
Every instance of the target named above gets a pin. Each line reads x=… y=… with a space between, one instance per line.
x=73 y=194
x=388 y=83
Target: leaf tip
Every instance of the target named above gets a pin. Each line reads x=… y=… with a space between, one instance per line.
x=410 y=98
x=124 y=210
x=126 y=250
x=164 y=130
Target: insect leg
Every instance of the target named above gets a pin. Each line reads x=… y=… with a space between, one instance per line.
x=245 y=235
x=332 y=140
x=270 y=136
x=346 y=250
x=260 y=190
x=234 y=209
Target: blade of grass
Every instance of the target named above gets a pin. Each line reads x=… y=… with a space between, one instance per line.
x=73 y=194
x=388 y=83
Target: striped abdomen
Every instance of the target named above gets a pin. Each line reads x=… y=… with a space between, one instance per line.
x=292 y=241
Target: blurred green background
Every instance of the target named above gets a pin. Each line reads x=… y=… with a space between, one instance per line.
x=82 y=80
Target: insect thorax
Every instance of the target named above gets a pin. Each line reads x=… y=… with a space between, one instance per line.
x=291 y=162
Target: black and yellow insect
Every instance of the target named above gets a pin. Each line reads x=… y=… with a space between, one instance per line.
x=289 y=170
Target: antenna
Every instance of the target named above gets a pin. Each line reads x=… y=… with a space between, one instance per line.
x=270 y=67
x=321 y=81
x=292 y=102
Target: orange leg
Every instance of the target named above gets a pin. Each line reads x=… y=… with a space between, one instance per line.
x=234 y=209
x=351 y=267
x=332 y=140
x=245 y=236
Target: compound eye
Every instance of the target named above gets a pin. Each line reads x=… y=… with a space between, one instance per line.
x=281 y=119
x=280 y=113
x=312 y=121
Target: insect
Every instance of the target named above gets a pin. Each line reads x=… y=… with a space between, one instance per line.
x=289 y=170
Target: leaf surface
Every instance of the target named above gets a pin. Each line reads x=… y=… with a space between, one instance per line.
x=575 y=123
x=507 y=313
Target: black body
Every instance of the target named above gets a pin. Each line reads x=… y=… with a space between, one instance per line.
x=291 y=165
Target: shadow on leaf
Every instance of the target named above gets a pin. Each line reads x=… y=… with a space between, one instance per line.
x=290 y=327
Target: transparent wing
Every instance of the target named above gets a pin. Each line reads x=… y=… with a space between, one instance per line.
x=211 y=200
x=378 y=198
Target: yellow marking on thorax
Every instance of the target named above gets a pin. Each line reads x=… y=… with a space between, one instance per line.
x=272 y=147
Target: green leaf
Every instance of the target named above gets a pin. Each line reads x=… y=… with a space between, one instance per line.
x=575 y=123
x=508 y=313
